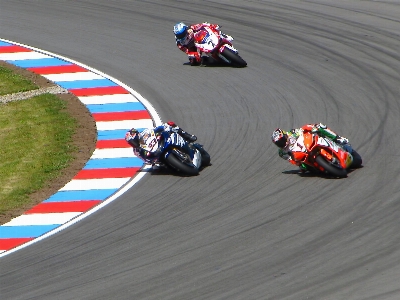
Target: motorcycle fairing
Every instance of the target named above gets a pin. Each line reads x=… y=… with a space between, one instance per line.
x=175 y=142
x=206 y=40
x=344 y=159
x=230 y=47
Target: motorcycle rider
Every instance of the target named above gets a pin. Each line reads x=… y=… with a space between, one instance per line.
x=184 y=37
x=291 y=143
x=138 y=139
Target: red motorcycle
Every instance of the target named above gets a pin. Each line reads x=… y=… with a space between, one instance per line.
x=212 y=43
x=330 y=158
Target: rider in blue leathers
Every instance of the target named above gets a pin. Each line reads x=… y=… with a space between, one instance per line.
x=138 y=140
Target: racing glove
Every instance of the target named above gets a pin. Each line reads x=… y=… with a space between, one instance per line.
x=227 y=37
x=341 y=140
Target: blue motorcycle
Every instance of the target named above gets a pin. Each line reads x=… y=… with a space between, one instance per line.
x=180 y=155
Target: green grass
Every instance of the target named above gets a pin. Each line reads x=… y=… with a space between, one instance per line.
x=35 y=139
x=13 y=83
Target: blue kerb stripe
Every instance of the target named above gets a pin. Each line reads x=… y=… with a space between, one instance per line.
x=43 y=62
x=115 y=107
x=118 y=134
x=32 y=231
x=108 y=163
x=5 y=44
x=70 y=196
x=84 y=84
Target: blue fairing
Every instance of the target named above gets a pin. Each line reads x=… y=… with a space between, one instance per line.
x=174 y=140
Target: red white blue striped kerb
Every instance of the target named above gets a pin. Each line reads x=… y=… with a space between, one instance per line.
x=115 y=107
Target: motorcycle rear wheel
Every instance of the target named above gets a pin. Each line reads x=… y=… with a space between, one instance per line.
x=329 y=168
x=234 y=58
x=180 y=166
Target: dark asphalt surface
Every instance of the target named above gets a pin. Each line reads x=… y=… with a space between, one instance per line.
x=248 y=227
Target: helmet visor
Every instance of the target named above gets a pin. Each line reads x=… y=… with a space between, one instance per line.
x=281 y=142
x=181 y=35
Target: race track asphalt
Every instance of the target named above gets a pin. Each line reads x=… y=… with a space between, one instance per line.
x=249 y=227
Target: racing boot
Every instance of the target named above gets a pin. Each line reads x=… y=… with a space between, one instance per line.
x=303 y=168
x=203 y=61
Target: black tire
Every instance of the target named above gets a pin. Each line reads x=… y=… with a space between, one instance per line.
x=357 y=160
x=178 y=165
x=234 y=58
x=205 y=159
x=329 y=168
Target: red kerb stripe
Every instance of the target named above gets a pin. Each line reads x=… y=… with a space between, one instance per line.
x=7 y=244
x=13 y=49
x=106 y=173
x=121 y=116
x=104 y=144
x=57 y=69
x=98 y=91
x=60 y=207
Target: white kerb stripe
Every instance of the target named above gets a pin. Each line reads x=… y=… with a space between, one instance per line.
x=115 y=125
x=112 y=153
x=73 y=76
x=116 y=98
x=93 y=184
x=23 y=55
x=42 y=219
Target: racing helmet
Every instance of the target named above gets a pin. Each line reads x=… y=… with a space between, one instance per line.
x=133 y=138
x=180 y=31
x=279 y=138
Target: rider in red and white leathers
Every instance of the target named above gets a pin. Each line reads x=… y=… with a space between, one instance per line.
x=291 y=143
x=184 y=36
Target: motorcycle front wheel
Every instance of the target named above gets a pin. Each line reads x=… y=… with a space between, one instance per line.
x=357 y=160
x=329 y=168
x=234 y=58
x=180 y=166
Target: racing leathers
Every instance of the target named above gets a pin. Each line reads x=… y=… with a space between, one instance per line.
x=187 y=44
x=149 y=140
x=295 y=150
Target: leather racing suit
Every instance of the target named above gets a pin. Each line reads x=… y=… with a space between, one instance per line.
x=295 y=150
x=148 y=139
x=187 y=45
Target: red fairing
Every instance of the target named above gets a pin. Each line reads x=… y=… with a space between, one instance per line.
x=200 y=36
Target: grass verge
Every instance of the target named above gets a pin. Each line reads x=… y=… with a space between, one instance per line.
x=35 y=141
x=13 y=83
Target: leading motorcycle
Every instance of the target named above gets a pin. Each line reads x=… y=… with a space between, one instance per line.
x=212 y=43
x=326 y=156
